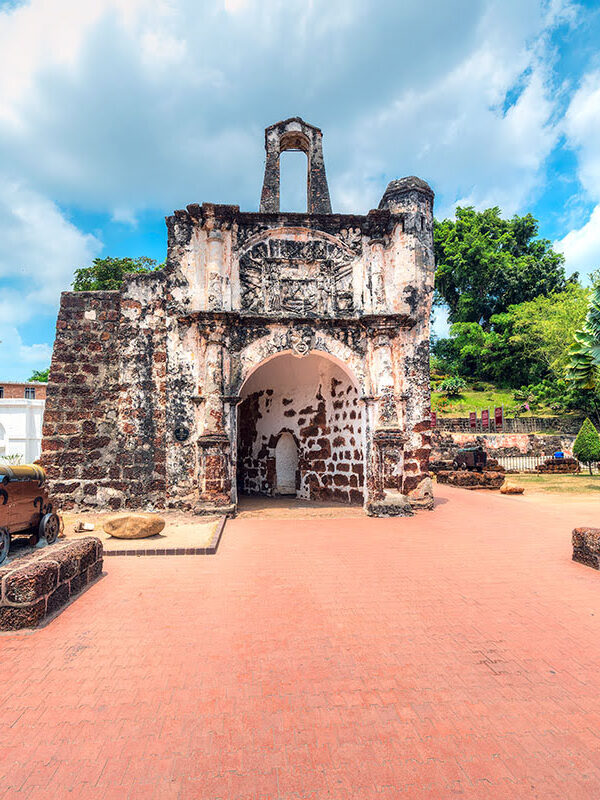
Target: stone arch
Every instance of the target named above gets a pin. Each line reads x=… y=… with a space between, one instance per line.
x=316 y=399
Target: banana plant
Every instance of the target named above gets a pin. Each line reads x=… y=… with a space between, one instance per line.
x=584 y=353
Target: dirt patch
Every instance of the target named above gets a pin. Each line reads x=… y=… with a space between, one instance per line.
x=181 y=530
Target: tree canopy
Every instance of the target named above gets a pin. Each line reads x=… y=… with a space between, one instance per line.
x=586 y=446
x=484 y=264
x=108 y=273
x=39 y=375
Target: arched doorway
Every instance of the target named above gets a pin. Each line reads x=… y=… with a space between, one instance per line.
x=286 y=464
x=312 y=403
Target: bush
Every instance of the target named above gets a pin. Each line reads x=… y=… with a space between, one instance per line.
x=587 y=444
x=452 y=387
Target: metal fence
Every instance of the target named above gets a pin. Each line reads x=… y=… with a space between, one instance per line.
x=530 y=464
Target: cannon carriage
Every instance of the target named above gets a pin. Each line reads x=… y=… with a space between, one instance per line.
x=25 y=508
x=470 y=458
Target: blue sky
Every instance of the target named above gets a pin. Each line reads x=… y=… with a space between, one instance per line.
x=115 y=112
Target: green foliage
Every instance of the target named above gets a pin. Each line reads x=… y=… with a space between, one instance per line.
x=584 y=353
x=108 y=273
x=587 y=444
x=525 y=344
x=486 y=264
x=543 y=327
x=40 y=375
x=557 y=395
x=452 y=387
x=14 y=459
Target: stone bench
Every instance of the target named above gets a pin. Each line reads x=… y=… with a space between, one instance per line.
x=40 y=583
x=586 y=546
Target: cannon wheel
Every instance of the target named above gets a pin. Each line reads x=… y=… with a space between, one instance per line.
x=49 y=528
x=4 y=544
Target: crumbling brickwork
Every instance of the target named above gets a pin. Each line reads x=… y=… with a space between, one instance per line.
x=158 y=392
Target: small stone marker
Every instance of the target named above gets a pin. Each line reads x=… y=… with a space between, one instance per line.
x=512 y=490
x=134 y=526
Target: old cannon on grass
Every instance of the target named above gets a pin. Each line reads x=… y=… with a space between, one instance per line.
x=25 y=509
x=472 y=458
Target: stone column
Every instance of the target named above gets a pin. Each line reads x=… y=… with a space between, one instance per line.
x=383 y=374
x=213 y=386
x=214 y=447
x=376 y=260
x=214 y=270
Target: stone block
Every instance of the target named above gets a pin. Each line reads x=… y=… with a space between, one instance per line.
x=40 y=583
x=586 y=546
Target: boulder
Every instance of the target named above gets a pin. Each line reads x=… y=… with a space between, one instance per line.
x=512 y=490
x=133 y=526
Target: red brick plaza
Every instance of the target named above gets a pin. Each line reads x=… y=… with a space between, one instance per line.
x=454 y=654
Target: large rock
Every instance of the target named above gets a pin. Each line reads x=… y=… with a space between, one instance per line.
x=134 y=526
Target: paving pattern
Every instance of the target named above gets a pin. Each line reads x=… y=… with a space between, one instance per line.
x=454 y=654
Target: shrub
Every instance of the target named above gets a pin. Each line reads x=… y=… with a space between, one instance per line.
x=587 y=444
x=452 y=387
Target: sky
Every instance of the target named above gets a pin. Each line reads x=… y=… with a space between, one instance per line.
x=114 y=113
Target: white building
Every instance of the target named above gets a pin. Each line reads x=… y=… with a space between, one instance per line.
x=21 y=422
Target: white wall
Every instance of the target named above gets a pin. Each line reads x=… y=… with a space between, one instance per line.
x=21 y=428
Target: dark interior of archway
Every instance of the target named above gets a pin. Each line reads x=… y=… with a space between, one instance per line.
x=314 y=400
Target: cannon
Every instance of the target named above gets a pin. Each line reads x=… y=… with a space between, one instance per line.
x=472 y=458
x=25 y=509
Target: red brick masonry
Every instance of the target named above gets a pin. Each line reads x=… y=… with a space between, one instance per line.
x=38 y=584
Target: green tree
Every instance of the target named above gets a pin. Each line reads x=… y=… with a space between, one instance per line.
x=543 y=327
x=40 y=375
x=523 y=345
x=486 y=264
x=587 y=444
x=108 y=273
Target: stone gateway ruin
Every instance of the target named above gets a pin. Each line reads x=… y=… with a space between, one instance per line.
x=275 y=353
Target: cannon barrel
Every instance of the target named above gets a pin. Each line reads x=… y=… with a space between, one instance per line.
x=22 y=472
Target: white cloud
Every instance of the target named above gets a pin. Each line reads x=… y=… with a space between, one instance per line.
x=582 y=127
x=132 y=105
x=18 y=360
x=581 y=246
x=39 y=249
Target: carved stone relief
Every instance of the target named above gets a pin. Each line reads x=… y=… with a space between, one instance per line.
x=299 y=278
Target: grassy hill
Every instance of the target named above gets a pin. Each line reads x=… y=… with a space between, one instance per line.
x=471 y=400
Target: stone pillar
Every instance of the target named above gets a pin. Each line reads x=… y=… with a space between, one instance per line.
x=377 y=260
x=214 y=447
x=214 y=270
x=384 y=485
x=383 y=374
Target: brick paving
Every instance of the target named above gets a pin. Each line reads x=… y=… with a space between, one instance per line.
x=454 y=654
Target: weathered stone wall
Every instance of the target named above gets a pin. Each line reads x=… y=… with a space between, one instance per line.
x=80 y=449
x=500 y=445
x=104 y=423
